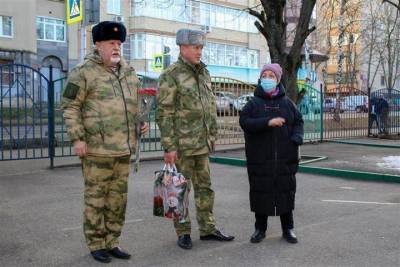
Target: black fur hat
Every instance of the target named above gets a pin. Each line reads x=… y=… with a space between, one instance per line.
x=108 y=30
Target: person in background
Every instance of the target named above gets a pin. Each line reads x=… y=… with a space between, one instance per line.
x=382 y=112
x=273 y=129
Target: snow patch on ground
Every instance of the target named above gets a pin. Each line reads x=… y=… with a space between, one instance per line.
x=390 y=162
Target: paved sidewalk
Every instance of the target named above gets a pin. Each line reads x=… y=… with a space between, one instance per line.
x=347 y=157
x=338 y=222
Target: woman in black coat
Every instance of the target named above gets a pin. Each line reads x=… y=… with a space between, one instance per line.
x=273 y=129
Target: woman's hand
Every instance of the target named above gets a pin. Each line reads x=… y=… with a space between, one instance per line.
x=276 y=122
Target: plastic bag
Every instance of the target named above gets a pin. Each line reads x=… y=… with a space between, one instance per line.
x=170 y=194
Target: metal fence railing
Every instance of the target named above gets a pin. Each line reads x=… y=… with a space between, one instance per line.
x=32 y=125
x=345 y=116
x=24 y=113
x=231 y=96
x=311 y=108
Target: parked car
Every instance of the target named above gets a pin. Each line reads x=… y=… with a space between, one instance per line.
x=241 y=101
x=225 y=102
x=329 y=105
x=358 y=103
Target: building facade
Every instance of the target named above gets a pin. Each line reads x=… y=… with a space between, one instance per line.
x=234 y=47
x=35 y=33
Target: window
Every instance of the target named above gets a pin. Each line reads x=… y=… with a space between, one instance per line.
x=195 y=12
x=145 y=46
x=114 y=7
x=252 y=58
x=6 y=26
x=49 y=29
x=137 y=44
x=382 y=80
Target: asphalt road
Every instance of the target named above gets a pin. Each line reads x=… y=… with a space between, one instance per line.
x=338 y=222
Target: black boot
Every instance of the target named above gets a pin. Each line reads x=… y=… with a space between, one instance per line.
x=117 y=252
x=289 y=236
x=257 y=236
x=217 y=235
x=101 y=255
x=185 y=242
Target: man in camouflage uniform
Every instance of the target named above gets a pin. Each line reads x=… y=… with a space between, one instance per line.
x=186 y=116
x=100 y=111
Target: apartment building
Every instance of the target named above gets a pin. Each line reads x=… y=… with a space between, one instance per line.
x=234 y=47
x=34 y=33
x=350 y=45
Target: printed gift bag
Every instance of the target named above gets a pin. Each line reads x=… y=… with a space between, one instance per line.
x=170 y=194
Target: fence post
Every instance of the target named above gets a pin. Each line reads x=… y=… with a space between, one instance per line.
x=322 y=112
x=369 y=112
x=50 y=112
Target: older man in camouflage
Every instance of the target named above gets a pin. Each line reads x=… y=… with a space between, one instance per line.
x=100 y=108
x=186 y=116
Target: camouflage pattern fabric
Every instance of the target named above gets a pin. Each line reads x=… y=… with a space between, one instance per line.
x=100 y=107
x=105 y=196
x=197 y=170
x=186 y=109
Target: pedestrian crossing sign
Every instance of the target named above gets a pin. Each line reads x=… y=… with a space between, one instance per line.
x=74 y=11
x=158 y=63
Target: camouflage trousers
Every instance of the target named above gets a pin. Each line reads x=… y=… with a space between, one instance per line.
x=197 y=170
x=105 y=196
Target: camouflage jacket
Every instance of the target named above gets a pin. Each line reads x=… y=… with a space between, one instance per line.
x=100 y=107
x=186 y=109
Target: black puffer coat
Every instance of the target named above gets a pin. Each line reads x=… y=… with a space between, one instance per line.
x=271 y=152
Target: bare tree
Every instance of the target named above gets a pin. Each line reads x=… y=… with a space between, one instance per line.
x=389 y=45
x=272 y=25
x=393 y=3
x=370 y=38
x=329 y=31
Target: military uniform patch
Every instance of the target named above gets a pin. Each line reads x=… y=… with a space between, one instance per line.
x=71 y=90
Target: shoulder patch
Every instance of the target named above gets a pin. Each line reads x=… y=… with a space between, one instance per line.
x=71 y=90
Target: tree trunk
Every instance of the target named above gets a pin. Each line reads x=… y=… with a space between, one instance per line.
x=271 y=24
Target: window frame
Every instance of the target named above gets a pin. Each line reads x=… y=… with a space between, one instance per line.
x=214 y=53
x=2 y=27
x=54 y=27
x=197 y=13
x=112 y=12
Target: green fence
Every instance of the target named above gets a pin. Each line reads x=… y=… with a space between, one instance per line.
x=32 y=124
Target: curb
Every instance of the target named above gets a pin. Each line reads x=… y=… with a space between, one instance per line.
x=357 y=175
x=362 y=144
x=143 y=159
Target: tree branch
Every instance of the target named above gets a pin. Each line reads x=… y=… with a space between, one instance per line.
x=309 y=31
x=256 y=14
x=392 y=3
x=302 y=30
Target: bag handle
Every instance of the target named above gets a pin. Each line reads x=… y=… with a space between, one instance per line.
x=169 y=167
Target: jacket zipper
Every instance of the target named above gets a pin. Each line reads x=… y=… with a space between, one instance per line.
x=126 y=114
x=202 y=104
x=275 y=162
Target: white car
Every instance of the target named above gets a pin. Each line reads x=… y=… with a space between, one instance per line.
x=241 y=101
x=225 y=102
